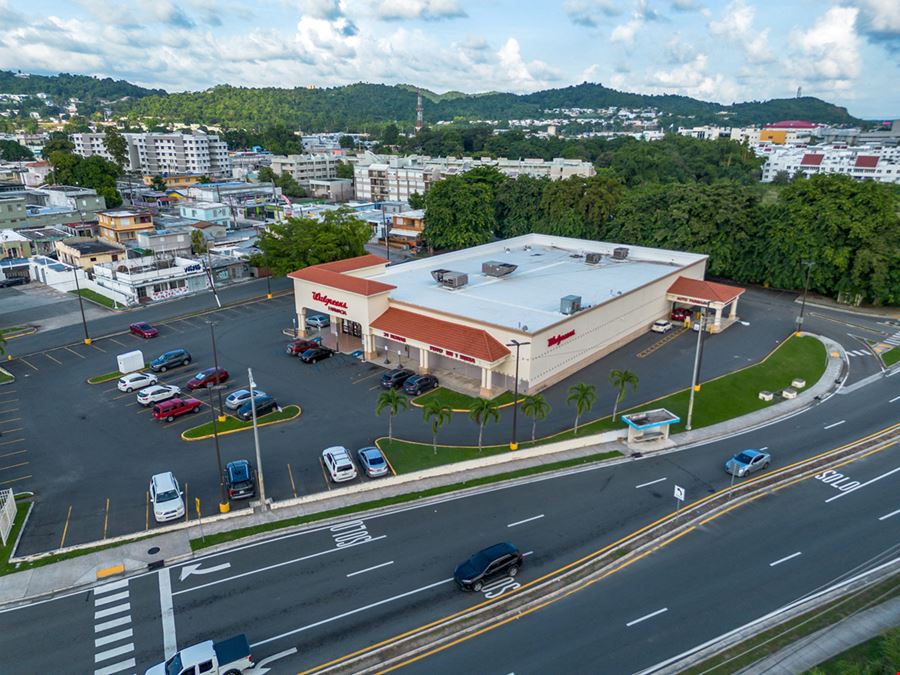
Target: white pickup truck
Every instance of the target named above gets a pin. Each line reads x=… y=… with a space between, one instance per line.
x=228 y=657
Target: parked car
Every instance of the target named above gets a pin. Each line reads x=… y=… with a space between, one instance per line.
x=240 y=479
x=236 y=399
x=495 y=561
x=395 y=378
x=419 y=384
x=157 y=393
x=175 y=407
x=338 y=463
x=661 y=326
x=207 y=377
x=316 y=354
x=318 y=321
x=747 y=461
x=166 y=496
x=372 y=462
x=297 y=347
x=264 y=404
x=12 y=281
x=134 y=381
x=176 y=357
x=680 y=314
x=143 y=329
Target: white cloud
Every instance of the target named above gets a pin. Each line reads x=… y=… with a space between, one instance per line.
x=829 y=51
x=692 y=79
x=625 y=33
x=328 y=10
x=879 y=20
x=418 y=9
x=736 y=25
x=591 y=12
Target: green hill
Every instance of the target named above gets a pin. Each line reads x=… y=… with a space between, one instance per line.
x=92 y=91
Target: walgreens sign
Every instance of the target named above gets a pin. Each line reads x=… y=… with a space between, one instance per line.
x=332 y=305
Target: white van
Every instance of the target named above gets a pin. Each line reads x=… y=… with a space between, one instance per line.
x=166 y=496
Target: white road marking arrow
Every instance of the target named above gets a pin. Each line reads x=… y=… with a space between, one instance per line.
x=260 y=667
x=188 y=570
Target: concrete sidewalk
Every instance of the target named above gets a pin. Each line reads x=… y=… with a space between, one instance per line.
x=172 y=543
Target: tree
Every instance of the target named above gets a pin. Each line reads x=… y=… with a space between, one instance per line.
x=394 y=402
x=198 y=242
x=536 y=407
x=459 y=214
x=482 y=412
x=11 y=151
x=158 y=183
x=390 y=135
x=266 y=174
x=347 y=142
x=620 y=379
x=300 y=242
x=76 y=125
x=517 y=205
x=580 y=207
x=289 y=185
x=344 y=170
x=57 y=142
x=583 y=397
x=416 y=201
x=116 y=145
x=438 y=414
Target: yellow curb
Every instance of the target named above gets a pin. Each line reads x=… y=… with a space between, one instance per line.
x=247 y=428
x=88 y=380
x=414 y=402
x=31 y=330
x=110 y=571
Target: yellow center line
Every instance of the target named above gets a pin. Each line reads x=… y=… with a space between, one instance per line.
x=62 y=541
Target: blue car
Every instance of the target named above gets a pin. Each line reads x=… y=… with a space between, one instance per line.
x=746 y=462
x=264 y=404
x=372 y=461
x=176 y=357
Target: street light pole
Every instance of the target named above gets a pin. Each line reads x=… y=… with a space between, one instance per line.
x=514 y=444
x=212 y=333
x=694 y=386
x=259 y=469
x=224 y=504
x=269 y=285
x=87 y=338
x=809 y=265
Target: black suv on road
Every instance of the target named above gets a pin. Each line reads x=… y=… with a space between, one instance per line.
x=396 y=377
x=499 y=560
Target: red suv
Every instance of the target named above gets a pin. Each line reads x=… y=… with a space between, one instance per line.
x=297 y=347
x=681 y=314
x=207 y=377
x=175 y=407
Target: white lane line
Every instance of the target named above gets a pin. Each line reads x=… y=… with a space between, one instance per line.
x=369 y=569
x=786 y=558
x=110 y=598
x=527 y=520
x=836 y=424
x=115 y=623
x=116 y=667
x=888 y=515
x=351 y=612
x=764 y=448
x=896 y=398
x=113 y=637
x=658 y=480
x=113 y=653
x=644 y=618
x=126 y=607
x=115 y=585
x=860 y=487
x=276 y=566
x=167 y=612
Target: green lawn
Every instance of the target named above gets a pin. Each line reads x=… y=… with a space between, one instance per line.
x=17 y=330
x=878 y=655
x=109 y=377
x=5 y=377
x=891 y=356
x=456 y=401
x=289 y=412
x=93 y=296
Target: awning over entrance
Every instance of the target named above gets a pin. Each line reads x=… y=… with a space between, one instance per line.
x=700 y=292
x=442 y=337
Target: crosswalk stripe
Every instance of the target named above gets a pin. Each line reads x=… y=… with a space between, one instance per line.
x=116 y=667
x=115 y=585
x=114 y=652
x=109 y=611
x=111 y=598
x=113 y=637
x=115 y=623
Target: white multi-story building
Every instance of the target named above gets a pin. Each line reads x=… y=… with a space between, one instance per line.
x=860 y=162
x=157 y=153
x=305 y=168
x=379 y=178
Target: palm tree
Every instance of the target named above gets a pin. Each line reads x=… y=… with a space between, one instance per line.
x=583 y=396
x=439 y=415
x=394 y=402
x=481 y=412
x=620 y=379
x=535 y=407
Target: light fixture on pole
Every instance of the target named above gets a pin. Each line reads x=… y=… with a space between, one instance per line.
x=259 y=469
x=212 y=333
x=87 y=338
x=695 y=386
x=514 y=444
x=224 y=504
x=809 y=265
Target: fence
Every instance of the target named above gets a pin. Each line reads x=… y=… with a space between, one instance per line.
x=7 y=513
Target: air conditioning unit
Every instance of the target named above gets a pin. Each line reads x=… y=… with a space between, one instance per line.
x=495 y=268
x=438 y=275
x=570 y=304
x=593 y=258
x=620 y=253
x=455 y=279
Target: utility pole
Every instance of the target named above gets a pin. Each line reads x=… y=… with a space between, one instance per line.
x=87 y=338
x=224 y=504
x=695 y=387
x=212 y=333
x=259 y=468
x=514 y=444
x=809 y=265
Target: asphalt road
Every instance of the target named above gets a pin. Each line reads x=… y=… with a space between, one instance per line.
x=327 y=591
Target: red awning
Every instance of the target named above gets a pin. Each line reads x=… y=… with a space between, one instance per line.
x=707 y=291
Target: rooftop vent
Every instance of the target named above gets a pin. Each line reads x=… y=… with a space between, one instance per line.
x=450 y=279
x=570 y=304
x=620 y=253
x=494 y=268
x=593 y=258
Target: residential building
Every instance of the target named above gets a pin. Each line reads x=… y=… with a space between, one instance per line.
x=13 y=214
x=332 y=189
x=210 y=212
x=155 y=153
x=122 y=225
x=14 y=245
x=170 y=242
x=305 y=168
x=881 y=164
x=87 y=253
x=407 y=229
x=85 y=201
x=43 y=240
x=174 y=181
x=37 y=173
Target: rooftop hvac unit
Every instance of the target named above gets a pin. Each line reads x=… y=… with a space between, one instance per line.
x=620 y=253
x=570 y=304
x=593 y=258
x=454 y=279
x=494 y=268
x=438 y=275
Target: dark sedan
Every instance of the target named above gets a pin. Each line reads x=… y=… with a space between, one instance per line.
x=316 y=354
x=395 y=378
x=207 y=377
x=264 y=404
x=419 y=384
x=143 y=329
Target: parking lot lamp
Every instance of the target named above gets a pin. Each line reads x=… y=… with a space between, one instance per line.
x=87 y=338
x=269 y=286
x=514 y=444
x=695 y=387
x=809 y=265
x=212 y=333
x=224 y=505
x=259 y=469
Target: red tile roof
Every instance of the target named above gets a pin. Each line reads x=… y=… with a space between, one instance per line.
x=704 y=290
x=317 y=275
x=811 y=160
x=357 y=263
x=791 y=124
x=447 y=335
x=866 y=162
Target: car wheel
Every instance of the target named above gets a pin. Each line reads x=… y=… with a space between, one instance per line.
x=766 y=465
x=170 y=418
x=513 y=571
x=163 y=369
x=129 y=389
x=477 y=586
x=196 y=410
x=185 y=362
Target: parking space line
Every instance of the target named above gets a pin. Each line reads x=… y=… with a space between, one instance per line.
x=57 y=361
x=121 y=344
x=106 y=519
x=291 y=476
x=62 y=541
x=888 y=515
x=8 y=410
x=97 y=348
x=11 y=419
x=169 y=325
x=10 y=454
x=324 y=474
x=14 y=480
x=147 y=512
x=365 y=377
x=15 y=440
x=187 y=512
x=27 y=363
x=75 y=353
x=9 y=431
x=13 y=466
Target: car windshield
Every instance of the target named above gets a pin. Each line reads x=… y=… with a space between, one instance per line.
x=173 y=665
x=166 y=496
x=375 y=460
x=200 y=376
x=744 y=458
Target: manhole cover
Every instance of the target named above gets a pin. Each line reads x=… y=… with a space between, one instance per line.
x=153 y=550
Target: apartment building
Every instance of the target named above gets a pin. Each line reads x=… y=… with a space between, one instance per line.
x=859 y=162
x=123 y=225
x=305 y=168
x=155 y=153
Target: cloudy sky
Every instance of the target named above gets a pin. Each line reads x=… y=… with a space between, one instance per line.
x=844 y=51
